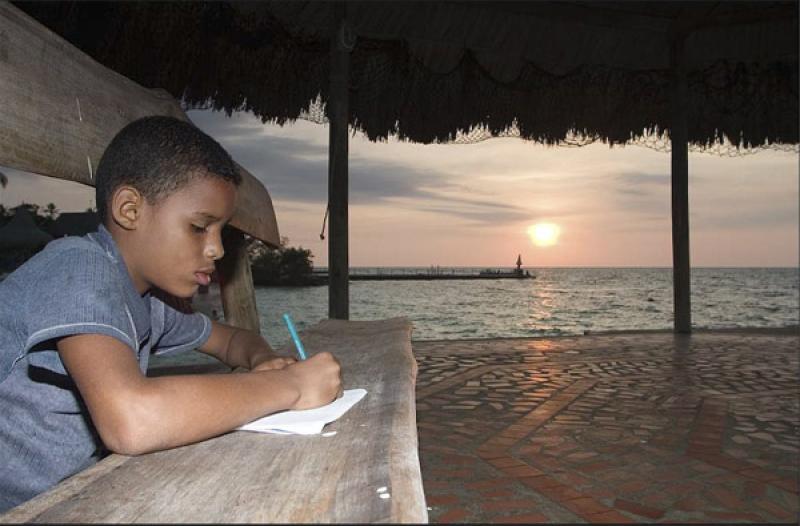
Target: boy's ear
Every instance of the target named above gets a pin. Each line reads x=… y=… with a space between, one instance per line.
x=126 y=207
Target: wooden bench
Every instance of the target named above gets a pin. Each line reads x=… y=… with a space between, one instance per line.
x=253 y=477
x=61 y=110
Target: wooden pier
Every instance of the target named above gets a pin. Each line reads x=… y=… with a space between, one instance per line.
x=424 y=277
x=398 y=275
x=320 y=277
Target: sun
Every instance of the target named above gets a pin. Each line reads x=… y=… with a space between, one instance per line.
x=544 y=234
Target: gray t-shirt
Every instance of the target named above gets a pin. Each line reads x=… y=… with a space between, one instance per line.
x=76 y=285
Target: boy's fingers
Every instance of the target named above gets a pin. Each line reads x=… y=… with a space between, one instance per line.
x=283 y=362
x=274 y=363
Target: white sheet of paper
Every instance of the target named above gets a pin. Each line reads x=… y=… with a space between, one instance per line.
x=309 y=421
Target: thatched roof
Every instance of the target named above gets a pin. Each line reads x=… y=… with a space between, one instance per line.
x=428 y=70
x=22 y=232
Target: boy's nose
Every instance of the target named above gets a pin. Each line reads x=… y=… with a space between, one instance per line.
x=215 y=250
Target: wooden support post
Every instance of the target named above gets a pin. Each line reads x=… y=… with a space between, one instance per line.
x=679 y=137
x=338 y=116
x=236 y=282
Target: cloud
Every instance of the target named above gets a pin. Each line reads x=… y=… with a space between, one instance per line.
x=732 y=219
x=642 y=183
x=644 y=196
x=718 y=200
x=476 y=214
x=616 y=194
x=26 y=187
x=296 y=170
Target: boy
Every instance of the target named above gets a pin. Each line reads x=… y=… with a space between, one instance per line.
x=79 y=320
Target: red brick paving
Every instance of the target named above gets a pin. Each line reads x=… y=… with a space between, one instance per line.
x=454 y=515
x=584 y=507
x=491 y=483
x=610 y=517
x=497 y=493
x=776 y=511
x=505 y=505
x=610 y=428
x=527 y=518
x=437 y=500
x=638 y=509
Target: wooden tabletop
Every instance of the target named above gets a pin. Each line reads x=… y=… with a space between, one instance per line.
x=253 y=477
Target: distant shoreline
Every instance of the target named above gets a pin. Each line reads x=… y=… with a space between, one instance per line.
x=532 y=268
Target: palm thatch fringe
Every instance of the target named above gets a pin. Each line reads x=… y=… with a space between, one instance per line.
x=430 y=72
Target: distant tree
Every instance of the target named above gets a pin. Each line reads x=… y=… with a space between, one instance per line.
x=10 y=259
x=255 y=247
x=33 y=208
x=5 y=215
x=51 y=212
x=296 y=266
x=266 y=267
x=41 y=216
x=284 y=265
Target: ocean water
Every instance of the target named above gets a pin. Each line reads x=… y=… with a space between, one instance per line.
x=560 y=301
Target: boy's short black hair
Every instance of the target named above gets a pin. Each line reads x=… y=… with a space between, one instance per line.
x=157 y=156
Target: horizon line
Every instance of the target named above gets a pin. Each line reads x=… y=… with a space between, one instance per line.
x=576 y=266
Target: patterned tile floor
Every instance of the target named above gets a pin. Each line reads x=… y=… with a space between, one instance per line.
x=617 y=428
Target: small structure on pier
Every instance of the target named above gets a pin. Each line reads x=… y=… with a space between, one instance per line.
x=516 y=273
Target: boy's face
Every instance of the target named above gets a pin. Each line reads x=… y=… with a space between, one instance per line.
x=178 y=239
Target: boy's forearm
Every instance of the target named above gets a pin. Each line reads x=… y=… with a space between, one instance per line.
x=179 y=410
x=247 y=349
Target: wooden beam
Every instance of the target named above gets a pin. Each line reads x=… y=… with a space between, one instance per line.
x=236 y=282
x=60 y=109
x=679 y=135
x=338 y=113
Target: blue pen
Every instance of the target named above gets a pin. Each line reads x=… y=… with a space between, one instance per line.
x=295 y=337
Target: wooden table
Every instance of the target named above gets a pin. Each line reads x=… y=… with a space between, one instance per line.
x=253 y=477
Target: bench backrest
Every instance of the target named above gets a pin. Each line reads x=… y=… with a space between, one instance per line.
x=60 y=110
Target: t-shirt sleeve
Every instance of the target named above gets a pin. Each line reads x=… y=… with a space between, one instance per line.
x=76 y=291
x=184 y=330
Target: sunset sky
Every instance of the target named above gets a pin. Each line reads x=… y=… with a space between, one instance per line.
x=477 y=204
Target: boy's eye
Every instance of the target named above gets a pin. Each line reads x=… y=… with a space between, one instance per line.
x=199 y=229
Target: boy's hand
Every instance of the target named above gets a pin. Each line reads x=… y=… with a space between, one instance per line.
x=270 y=364
x=318 y=379
x=242 y=349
